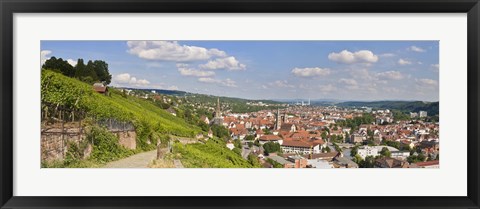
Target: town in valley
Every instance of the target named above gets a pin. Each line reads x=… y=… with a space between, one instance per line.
x=240 y=104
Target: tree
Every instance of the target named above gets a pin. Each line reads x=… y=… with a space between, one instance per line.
x=59 y=65
x=386 y=152
x=90 y=71
x=337 y=148
x=79 y=69
x=237 y=143
x=271 y=147
x=253 y=160
x=326 y=149
x=357 y=159
x=101 y=70
x=237 y=150
x=354 y=151
x=250 y=138
x=220 y=132
x=324 y=135
x=369 y=162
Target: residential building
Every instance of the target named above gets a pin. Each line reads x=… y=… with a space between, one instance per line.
x=365 y=151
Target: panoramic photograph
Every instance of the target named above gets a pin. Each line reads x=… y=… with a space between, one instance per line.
x=239 y=104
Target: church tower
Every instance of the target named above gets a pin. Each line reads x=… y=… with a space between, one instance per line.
x=218 y=120
x=278 y=120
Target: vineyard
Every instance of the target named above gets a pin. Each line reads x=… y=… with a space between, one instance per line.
x=150 y=121
x=212 y=154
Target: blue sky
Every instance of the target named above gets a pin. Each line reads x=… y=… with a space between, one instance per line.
x=345 y=70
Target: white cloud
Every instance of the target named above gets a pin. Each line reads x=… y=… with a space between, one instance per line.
x=227 y=82
x=436 y=67
x=327 y=88
x=195 y=73
x=127 y=79
x=391 y=75
x=72 y=62
x=172 y=88
x=347 y=57
x=425 y=82
x=416 y=49
x=347 y=81
x=281 y=84
x=43 y=56
x=388 y=55
x=362 y=74
x=310 y=72
x=404 y=62
x=227 y=63
x=171 y=51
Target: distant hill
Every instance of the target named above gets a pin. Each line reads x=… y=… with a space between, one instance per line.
x=405 y=106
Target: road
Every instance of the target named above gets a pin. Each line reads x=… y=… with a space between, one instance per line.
x=140 y=160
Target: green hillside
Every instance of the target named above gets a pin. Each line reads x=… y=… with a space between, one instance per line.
x=212 y=154
x=404 y=106
x=147 y=118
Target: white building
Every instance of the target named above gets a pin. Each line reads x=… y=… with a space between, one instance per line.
x=400 y=154
x=301 y=147
x=365 y=151
x=422 y=114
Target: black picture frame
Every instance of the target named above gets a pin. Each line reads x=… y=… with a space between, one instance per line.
x=10 y=7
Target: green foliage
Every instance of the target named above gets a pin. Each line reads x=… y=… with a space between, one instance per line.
x=337 y=148
x=220 y=131
x=404 y=106
x=59 y=65
x=237 y=151
x=253 y=160
x=385 y=152
x=369 y=162
x=354 y=123
x=106 y=147
x=416 y=158
x=354 y=151
x=250 y=138
x=395 y=144
x=357 y=159
x=271 y=147
x=274 y=163
x=400 y=116
x=212 y=154
x=326 y=149
x=237 y=143
x=146 y=117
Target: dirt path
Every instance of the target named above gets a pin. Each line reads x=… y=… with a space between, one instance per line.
x=140 y=160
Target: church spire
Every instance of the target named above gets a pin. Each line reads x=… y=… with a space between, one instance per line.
x=218 y=115
x=278 y=120
x=217 y=112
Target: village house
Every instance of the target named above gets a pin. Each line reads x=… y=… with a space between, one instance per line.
x=427 y=164
x=302 y=146
x=365 y=151
x=100 y=88
x=386 y=162
x=270 y=138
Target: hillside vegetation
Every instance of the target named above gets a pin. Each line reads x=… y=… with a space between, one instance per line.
x=149 y=120
x=211 y=154
x=404 y=106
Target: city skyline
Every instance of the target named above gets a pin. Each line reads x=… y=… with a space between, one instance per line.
x=316 y=70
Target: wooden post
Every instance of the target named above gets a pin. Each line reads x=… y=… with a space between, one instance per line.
x=63 y=134
x=159 y=151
